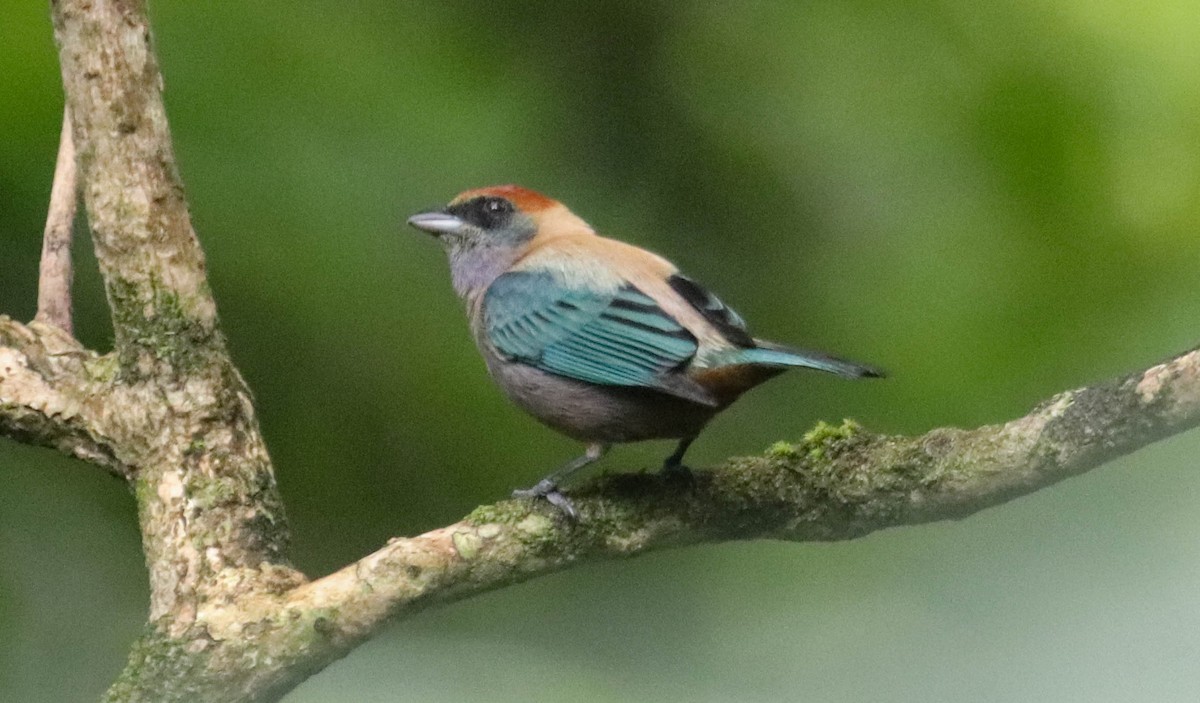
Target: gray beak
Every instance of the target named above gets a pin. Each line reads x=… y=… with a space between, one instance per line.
x=436 y=223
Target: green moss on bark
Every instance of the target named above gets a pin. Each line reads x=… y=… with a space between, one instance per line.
x=152 y=323
x=162 y=669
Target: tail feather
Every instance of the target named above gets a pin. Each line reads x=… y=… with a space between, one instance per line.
x=779 y=356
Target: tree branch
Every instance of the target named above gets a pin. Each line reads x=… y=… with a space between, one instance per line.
x=153 y=268
x=52 y=393
x=178 y=412
x=840 y=483
x=54 y=279
x=231 y=620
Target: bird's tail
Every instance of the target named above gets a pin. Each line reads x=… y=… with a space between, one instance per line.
x=779 y=356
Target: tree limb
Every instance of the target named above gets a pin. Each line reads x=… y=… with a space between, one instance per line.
x=178 y=412
x=54 y=277
x=52 y=393
x=150 y=259
x=231 y=620
x=839 y=483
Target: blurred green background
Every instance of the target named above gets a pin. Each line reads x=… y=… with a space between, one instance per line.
x=995 y=201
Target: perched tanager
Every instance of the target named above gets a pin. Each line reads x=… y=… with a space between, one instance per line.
x=601 y=340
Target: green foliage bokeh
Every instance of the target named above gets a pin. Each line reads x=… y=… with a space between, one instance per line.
x=995 y=202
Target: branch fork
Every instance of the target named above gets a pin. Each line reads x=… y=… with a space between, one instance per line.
x=230 y=618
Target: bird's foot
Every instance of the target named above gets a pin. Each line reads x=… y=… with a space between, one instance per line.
x=677 y=473
x=549 y=490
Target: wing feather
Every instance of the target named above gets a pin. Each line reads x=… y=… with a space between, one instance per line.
x=617 y=338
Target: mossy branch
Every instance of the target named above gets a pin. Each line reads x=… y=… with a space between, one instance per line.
x=231 y=620
x=53 y=393
x=177 y=413
x=149 y=256
x=841 y=482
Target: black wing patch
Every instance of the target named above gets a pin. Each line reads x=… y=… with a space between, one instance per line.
x=725 y=319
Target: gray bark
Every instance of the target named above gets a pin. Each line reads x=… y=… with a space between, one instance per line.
x=231 y=619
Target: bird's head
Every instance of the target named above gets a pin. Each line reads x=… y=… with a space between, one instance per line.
x=498 y=217
x=487 y=229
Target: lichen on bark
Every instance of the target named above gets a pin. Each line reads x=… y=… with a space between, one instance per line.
x=231 y=620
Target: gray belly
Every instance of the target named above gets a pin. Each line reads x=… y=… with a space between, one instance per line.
x=592 y=413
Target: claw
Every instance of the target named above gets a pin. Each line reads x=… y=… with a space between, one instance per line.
x=673 y=469
x=677 y=473
x=539 y=490
x=558 y=500
x=548 y=490
x=548 y=487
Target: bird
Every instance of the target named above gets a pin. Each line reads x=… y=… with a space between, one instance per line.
x=601 y=340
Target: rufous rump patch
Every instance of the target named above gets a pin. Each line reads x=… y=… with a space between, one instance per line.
x=728 y=382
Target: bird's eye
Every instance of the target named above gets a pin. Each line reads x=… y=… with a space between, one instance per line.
x=486 y=212
x=497 y=206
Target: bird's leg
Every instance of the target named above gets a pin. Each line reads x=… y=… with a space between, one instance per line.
x=673 y=467
x=548 y=487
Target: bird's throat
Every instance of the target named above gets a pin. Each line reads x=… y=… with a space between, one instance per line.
x=473 y=269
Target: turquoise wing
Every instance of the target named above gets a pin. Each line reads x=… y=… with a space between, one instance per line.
x=620 y=338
